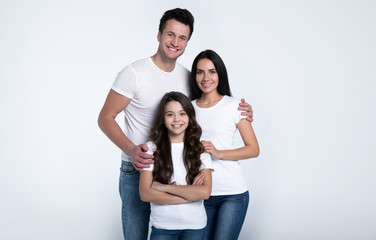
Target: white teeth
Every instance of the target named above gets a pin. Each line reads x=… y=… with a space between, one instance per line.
x=173 y=49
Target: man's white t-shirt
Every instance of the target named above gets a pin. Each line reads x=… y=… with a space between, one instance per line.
x=145 y=84
x=218 y=125
x=179 y=216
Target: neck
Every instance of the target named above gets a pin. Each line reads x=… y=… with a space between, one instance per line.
x=176 y=138
x=167 y=65
x=212 y=97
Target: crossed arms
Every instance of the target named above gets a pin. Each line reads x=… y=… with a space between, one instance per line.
x=175 y=194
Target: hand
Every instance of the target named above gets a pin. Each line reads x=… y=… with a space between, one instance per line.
x=247 y=108
x=139 y=158
x=199 y=179
x=210 y=148
x=157 y=186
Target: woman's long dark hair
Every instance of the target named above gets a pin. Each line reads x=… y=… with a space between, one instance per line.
x=223 y=84
x=163 y=168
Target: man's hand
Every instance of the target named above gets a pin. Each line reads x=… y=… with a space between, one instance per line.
x=243 y=106
x=140 y=159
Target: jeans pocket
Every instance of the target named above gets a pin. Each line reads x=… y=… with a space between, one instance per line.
x=127 y=168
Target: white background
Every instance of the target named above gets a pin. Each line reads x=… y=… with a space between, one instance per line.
x=307 y=67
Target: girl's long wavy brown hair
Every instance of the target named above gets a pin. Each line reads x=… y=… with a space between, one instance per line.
x=163 y=168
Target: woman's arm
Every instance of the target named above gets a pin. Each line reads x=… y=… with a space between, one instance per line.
x=189 y=192
x=148 y=194
x=250 y=149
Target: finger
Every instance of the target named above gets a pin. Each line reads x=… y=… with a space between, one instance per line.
x=144 y=147
x=242 y=100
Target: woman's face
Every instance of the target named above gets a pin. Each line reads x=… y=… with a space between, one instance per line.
x=206 y=76
x=176 y=121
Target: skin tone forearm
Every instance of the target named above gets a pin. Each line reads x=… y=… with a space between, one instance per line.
x=115 y=103
x=193 y=192
x=250 y=149
x=149 y=194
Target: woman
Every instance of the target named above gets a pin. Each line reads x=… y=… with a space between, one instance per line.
x=219 y=119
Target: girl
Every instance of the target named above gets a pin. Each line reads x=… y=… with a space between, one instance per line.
x=180 y=178
x=216 y=113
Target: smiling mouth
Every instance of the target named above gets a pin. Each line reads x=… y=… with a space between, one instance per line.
x=205 y=85
x=172 y=49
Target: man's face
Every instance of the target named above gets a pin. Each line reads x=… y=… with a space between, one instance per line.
x=173 y=39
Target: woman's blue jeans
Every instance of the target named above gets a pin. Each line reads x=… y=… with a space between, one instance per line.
x=135 y=213
x=185 y=234
x=226 y=214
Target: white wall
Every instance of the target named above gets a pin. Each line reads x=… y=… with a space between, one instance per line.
x=307 y=68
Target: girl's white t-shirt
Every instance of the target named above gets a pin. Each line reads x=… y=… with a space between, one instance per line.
x=179 y=216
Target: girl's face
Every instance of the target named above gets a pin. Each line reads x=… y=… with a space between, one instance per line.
x=206 y=76
x=176 y=121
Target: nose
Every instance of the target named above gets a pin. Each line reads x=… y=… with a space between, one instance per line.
x=176 y=118
x=175 y=41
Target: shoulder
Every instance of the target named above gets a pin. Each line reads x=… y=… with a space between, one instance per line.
x=152 y=147
x=181 y=68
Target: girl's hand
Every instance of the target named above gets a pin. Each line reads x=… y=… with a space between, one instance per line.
x=157 y=186
x=199 y=179
x=210 y=148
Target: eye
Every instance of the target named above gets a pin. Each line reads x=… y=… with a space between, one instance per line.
x=183 y=38
x=199 y=72
x=213 y=71
x=169 y=114
x=183 y=114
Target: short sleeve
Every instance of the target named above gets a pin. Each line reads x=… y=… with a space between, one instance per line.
x=206 y=161
x=237 y=113
x=151 y=151
x=126 y=82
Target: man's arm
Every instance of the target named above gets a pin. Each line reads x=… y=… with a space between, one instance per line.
x=189 y=192
x=247 y=110
x=114 y=104
x=148 y=194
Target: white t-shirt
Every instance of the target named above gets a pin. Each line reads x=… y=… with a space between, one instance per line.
x=145 y=84
x=218 y=125
x=179 y=216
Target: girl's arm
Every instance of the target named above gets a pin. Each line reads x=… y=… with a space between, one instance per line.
x=250 y=149
x=189 y=192
x=148 y=194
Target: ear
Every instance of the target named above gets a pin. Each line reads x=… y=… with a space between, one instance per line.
x=159 y=36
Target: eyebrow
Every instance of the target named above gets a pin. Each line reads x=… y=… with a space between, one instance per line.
x=211 y=69
x=175 y=34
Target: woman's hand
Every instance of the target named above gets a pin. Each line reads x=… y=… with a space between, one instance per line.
x=210 y=148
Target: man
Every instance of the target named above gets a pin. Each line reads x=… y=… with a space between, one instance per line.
x=137 y=91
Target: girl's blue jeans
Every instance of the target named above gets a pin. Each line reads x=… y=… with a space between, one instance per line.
x=186 y=234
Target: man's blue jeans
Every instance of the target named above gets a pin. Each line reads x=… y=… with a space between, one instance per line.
x=135 y=213
x=185 y=234
x=226 y=215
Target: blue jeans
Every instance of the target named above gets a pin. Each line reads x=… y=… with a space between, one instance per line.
x=135 y=213
x=226 y=214
x=186 y=234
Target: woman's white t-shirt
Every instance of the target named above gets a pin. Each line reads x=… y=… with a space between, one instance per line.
x=179 y=216
x=218 y=125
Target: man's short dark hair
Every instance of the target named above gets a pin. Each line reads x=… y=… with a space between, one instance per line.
x=180 y=15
